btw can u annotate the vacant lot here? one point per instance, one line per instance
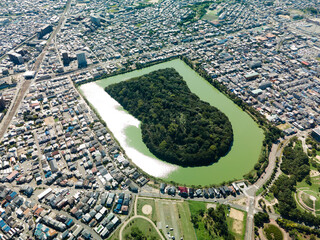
(236, 223)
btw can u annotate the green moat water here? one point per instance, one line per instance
(248, 137)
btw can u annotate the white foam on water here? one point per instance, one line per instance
(117, 121)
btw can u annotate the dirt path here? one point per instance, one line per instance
(174, 221)
(299, 200)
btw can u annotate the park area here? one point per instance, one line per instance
(175, 218)
(308, 196)
(171, 217)
(211, 15)
(140, 227)
(272, 232)
(236, 221)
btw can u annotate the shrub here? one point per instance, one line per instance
(273, 232)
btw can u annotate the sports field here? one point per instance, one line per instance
(171, 216)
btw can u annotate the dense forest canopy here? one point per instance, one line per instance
(176, 125)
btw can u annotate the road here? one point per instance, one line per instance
(85, 226)
(13, 108)
(26, 83)
(52, 36)
(250, 192)
(276, 151)
(19, 45)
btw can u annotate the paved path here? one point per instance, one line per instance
(135, 217)
(142, 217)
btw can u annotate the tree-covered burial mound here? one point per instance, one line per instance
(176, 125)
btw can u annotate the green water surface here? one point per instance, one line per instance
(248, 136)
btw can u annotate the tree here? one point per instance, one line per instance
(260, 218)
(2, 104)
(176, 125)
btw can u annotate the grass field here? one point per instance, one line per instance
(260, 190)
(174, 214)
(314, 187)
(184, 217)
(308, 190)
(142, 202)
(147, 229)
(177, 215)
(284, 126)
(236, 227)
(201, 231)
(211, 15)
(168, 215)
(306, 200)
(195, 206)
(306, 196)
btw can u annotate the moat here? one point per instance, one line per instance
(240, 159)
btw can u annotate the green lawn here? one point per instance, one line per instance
(306, 199)
(260, 190)
(141, 203)
(144, 226)
(195, 206)
(176, 215)
(269, 197)
(313, 190)
(201, 232)
(211, 15)
(185, 220)
(314, 187)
